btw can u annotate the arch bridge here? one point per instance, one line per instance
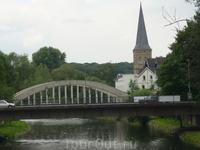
(69, 92)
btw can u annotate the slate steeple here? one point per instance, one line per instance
(142, 50)
(142, 40)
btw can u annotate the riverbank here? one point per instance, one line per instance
(189, 133)
(192, 137)
(12, 129)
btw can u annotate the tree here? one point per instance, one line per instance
(23, 70)
(105, 73)
(173, 72)
(124, 68)
(142, 92)
(49, 56)
(95, 79)
(132, 86)
(66, 72)
(6, 76)
(41, 75)
(195, 2)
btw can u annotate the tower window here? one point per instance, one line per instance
(143, 86)
(151, 77)
(139, 61)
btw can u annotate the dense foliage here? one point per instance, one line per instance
(182, 64)
(66, 72)
(106, 73)
(120, 68)
(49, 56)
(6, 77)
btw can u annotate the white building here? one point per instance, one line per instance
(145, 79)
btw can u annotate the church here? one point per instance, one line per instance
(144, 65)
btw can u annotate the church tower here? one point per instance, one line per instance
(142, 49)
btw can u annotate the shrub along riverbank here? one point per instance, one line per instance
(189, 133)
(12, 129)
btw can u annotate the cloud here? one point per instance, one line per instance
(6, 28)
(33, 41)
(91, 1)
(77, 20)
(98, 30)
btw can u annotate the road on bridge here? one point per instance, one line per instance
(98, 110)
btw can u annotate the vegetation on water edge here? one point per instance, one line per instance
(11, 129)
(168, 124)
(109, 119)
(192, 137)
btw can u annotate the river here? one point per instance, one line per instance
(94, 134)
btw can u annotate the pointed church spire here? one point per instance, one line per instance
(142, 40)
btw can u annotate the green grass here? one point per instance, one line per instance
(13, 128)
(107, 119)
(192, 138)
(169, 124)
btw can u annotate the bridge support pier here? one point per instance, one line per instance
(108, 97)
(96, 97)
(59, 95)
(53, 94)
(192, 119)
(40, 97)
(72, 96)
(89, 95)
(84, 94)
(33, 99)
(47, 101)
(28, 100)
(65, 94)
(195, 120)
(101, 97)
(77, 91)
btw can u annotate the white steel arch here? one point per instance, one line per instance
(98, 87)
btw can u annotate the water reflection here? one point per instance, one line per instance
(85, 134)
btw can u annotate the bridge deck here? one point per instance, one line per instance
(98, 110)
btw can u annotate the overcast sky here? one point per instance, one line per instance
(87, 30)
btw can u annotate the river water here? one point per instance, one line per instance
(93, 134)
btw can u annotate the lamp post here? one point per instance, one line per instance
(84, 94)
(85, 73)
(189, 93)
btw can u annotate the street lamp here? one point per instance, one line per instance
(85, 72)
(84, 93)
(189, 94)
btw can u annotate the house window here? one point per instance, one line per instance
(151, 77)
(143, 86)
(144, 78)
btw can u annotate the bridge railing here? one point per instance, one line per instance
(63, 101)
(75, 100)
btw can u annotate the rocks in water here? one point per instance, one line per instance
(2, 138)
